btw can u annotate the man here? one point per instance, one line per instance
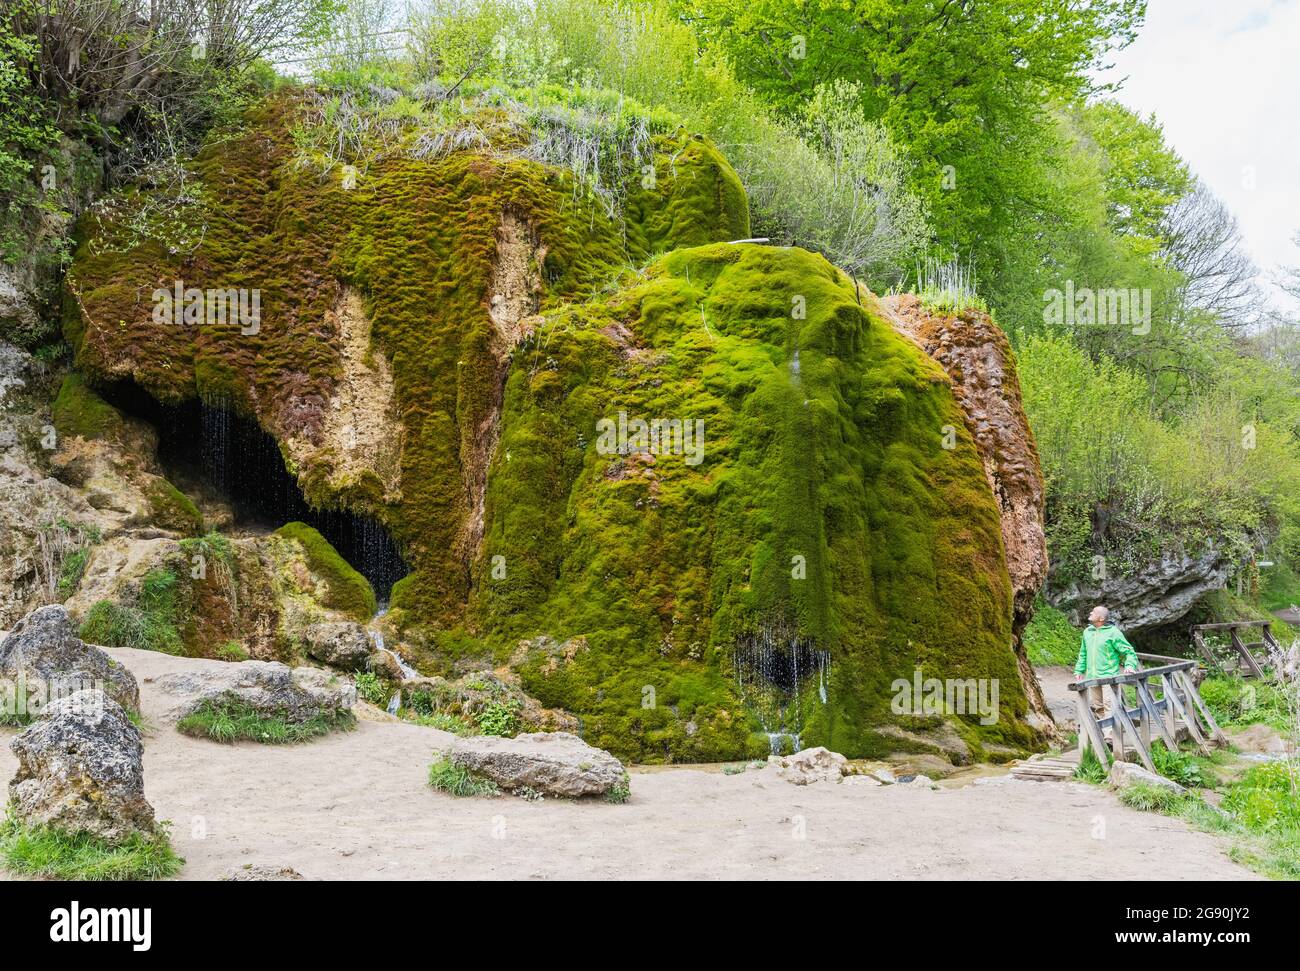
(1102, 650)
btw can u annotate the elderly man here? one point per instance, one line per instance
(1102, 651)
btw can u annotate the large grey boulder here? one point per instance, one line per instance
(809, 765)
(342, 644)
(552, 763)
(268, 687)
(1148, 595)
(80, 769)
(44, 657)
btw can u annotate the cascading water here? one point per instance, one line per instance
(771, 667)
(211, 442)
(377, 640)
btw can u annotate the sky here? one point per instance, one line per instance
(1223, 77)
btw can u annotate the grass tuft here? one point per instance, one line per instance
(41, 851)
(227, 722)
(457, 780)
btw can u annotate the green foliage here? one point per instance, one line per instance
(346, 589)
(1153, 798)
(39, 851)
(1267, 797)
(27, 133)
(232, 651)
(620, 792)
(232, 721)
(1090, 768)
(446, 723)
(499, 718)
(372, 688)
(150, 624)
(456, 780)
(1049, 637)
(1236, 702)
(1181, 767)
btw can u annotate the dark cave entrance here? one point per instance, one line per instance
(217, 450)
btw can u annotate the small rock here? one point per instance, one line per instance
(260, 872)
(861, 780)
(885, 776)
(44, 653)
(1124, 774)
(554, 763)
(916, 781)
(341, 644)
(81, 769)
(810, 765)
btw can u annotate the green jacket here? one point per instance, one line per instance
(1101, 652)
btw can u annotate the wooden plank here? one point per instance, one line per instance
(1229, 625)
(1121, 714)
(1188, 718)
(1152, 717)
(1204, 648)
(1089, 733)
(1251, 664)
(1215, 732)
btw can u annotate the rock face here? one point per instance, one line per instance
(44, 651)
(340, 644)
(976, 355)
(554, 763)
(269, 687)
(1151, 595)
(793, 513)
(809, 766)
(80, 769)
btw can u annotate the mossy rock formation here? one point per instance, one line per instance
(444, 345)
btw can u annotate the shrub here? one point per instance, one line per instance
(232, 651)
(1151, 798)
(1177, 765)
(372, 688)
(230, 721)
(499, 718)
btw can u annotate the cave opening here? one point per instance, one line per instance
(214, 450)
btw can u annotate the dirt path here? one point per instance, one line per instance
(355, 806)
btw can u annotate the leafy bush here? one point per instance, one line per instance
(230, 721)
(1267, 797)
(499, 718)
(38, 851)
(448, 777)
(1235, 701)
(1177, 765)
(372, 688)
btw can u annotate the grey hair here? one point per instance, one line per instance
(1105, 611)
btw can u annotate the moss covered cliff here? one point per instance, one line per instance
(459, 338)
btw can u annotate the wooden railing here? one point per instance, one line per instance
(1168, 705)
(1251, 666)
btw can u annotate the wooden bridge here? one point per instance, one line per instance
(1168, 707)
(1250, 666)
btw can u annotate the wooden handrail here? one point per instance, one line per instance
(1135, 677)
(1233, 623)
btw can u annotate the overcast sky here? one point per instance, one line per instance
(1223, 76)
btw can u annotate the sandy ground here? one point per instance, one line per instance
(355, 806)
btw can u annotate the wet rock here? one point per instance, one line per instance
(268, 687)
(809, 766)
(555, 763)
(342, 644)
(80, 769)
(44, 656)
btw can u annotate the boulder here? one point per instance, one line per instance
(44, 653)
(809, 766)
(268, 687)
(1124, 774)
(1149, 595)
(554, 763)
(81, 769)
(342, 644)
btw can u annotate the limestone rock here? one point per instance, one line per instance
(1124, 774)
(341, 644)
(809, 766)
(269, 687)
(554, 763)
(80, 769)
(260, 872)
(43, 650)
(1149, 595)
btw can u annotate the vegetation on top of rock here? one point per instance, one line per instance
(229, 721)
(43, 851)
(347, 590)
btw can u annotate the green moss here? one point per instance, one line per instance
(78, 410)
(346, 589)
(170, 508)
(1050, 638)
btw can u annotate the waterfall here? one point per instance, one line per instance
(377, 641)
(771, 666)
